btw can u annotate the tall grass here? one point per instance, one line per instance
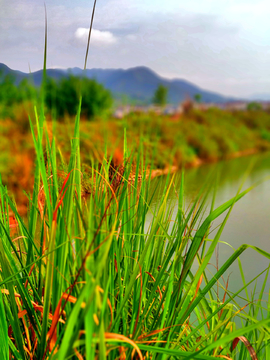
(93, 278)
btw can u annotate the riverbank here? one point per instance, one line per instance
(198, 162)
(191, 140)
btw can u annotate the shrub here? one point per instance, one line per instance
(64, 97)
(254, 106)
(265, 134)
(161, 95)
(8, 90)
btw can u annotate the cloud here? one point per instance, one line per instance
(131, 37)
(98, 37)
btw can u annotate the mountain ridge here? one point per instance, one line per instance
(137, 83)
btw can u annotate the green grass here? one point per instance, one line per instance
(81, 279)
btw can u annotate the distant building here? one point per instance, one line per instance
(174, 111)
(236, 105)
(121, 112)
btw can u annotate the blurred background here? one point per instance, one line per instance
(189, 81)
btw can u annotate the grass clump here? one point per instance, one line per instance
(95, 278)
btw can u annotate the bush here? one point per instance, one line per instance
(161, 95)
(8, 90)
(265, 134)
(254, 106)
(64, 97)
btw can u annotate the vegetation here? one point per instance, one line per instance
(63, 97)
(11, 95)
(8, 90)
(198, 98)
(161, 95)
(143, 299)
(189, 139)
(254, 106)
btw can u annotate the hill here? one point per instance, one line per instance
(138, 83)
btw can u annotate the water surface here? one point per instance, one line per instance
(249, 222)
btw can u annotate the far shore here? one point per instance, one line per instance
(200, 162)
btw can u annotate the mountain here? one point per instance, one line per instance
(34, 77)
(18, 75)
(138, 83)
(141, 82)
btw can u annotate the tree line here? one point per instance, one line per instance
(62, 97)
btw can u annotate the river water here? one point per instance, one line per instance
(249, 221)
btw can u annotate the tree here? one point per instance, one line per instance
(64, 96)
(10, 93)
(161, 95)
(8, 90)
(95, 98)
(26, 91)
(198, 98)
(254, 106)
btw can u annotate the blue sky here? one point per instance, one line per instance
(219, 45)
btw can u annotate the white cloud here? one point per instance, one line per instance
(98, 38)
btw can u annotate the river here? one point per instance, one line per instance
(249, 221)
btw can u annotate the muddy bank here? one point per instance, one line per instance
(199, 162)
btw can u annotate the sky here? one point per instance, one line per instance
(223, 45)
